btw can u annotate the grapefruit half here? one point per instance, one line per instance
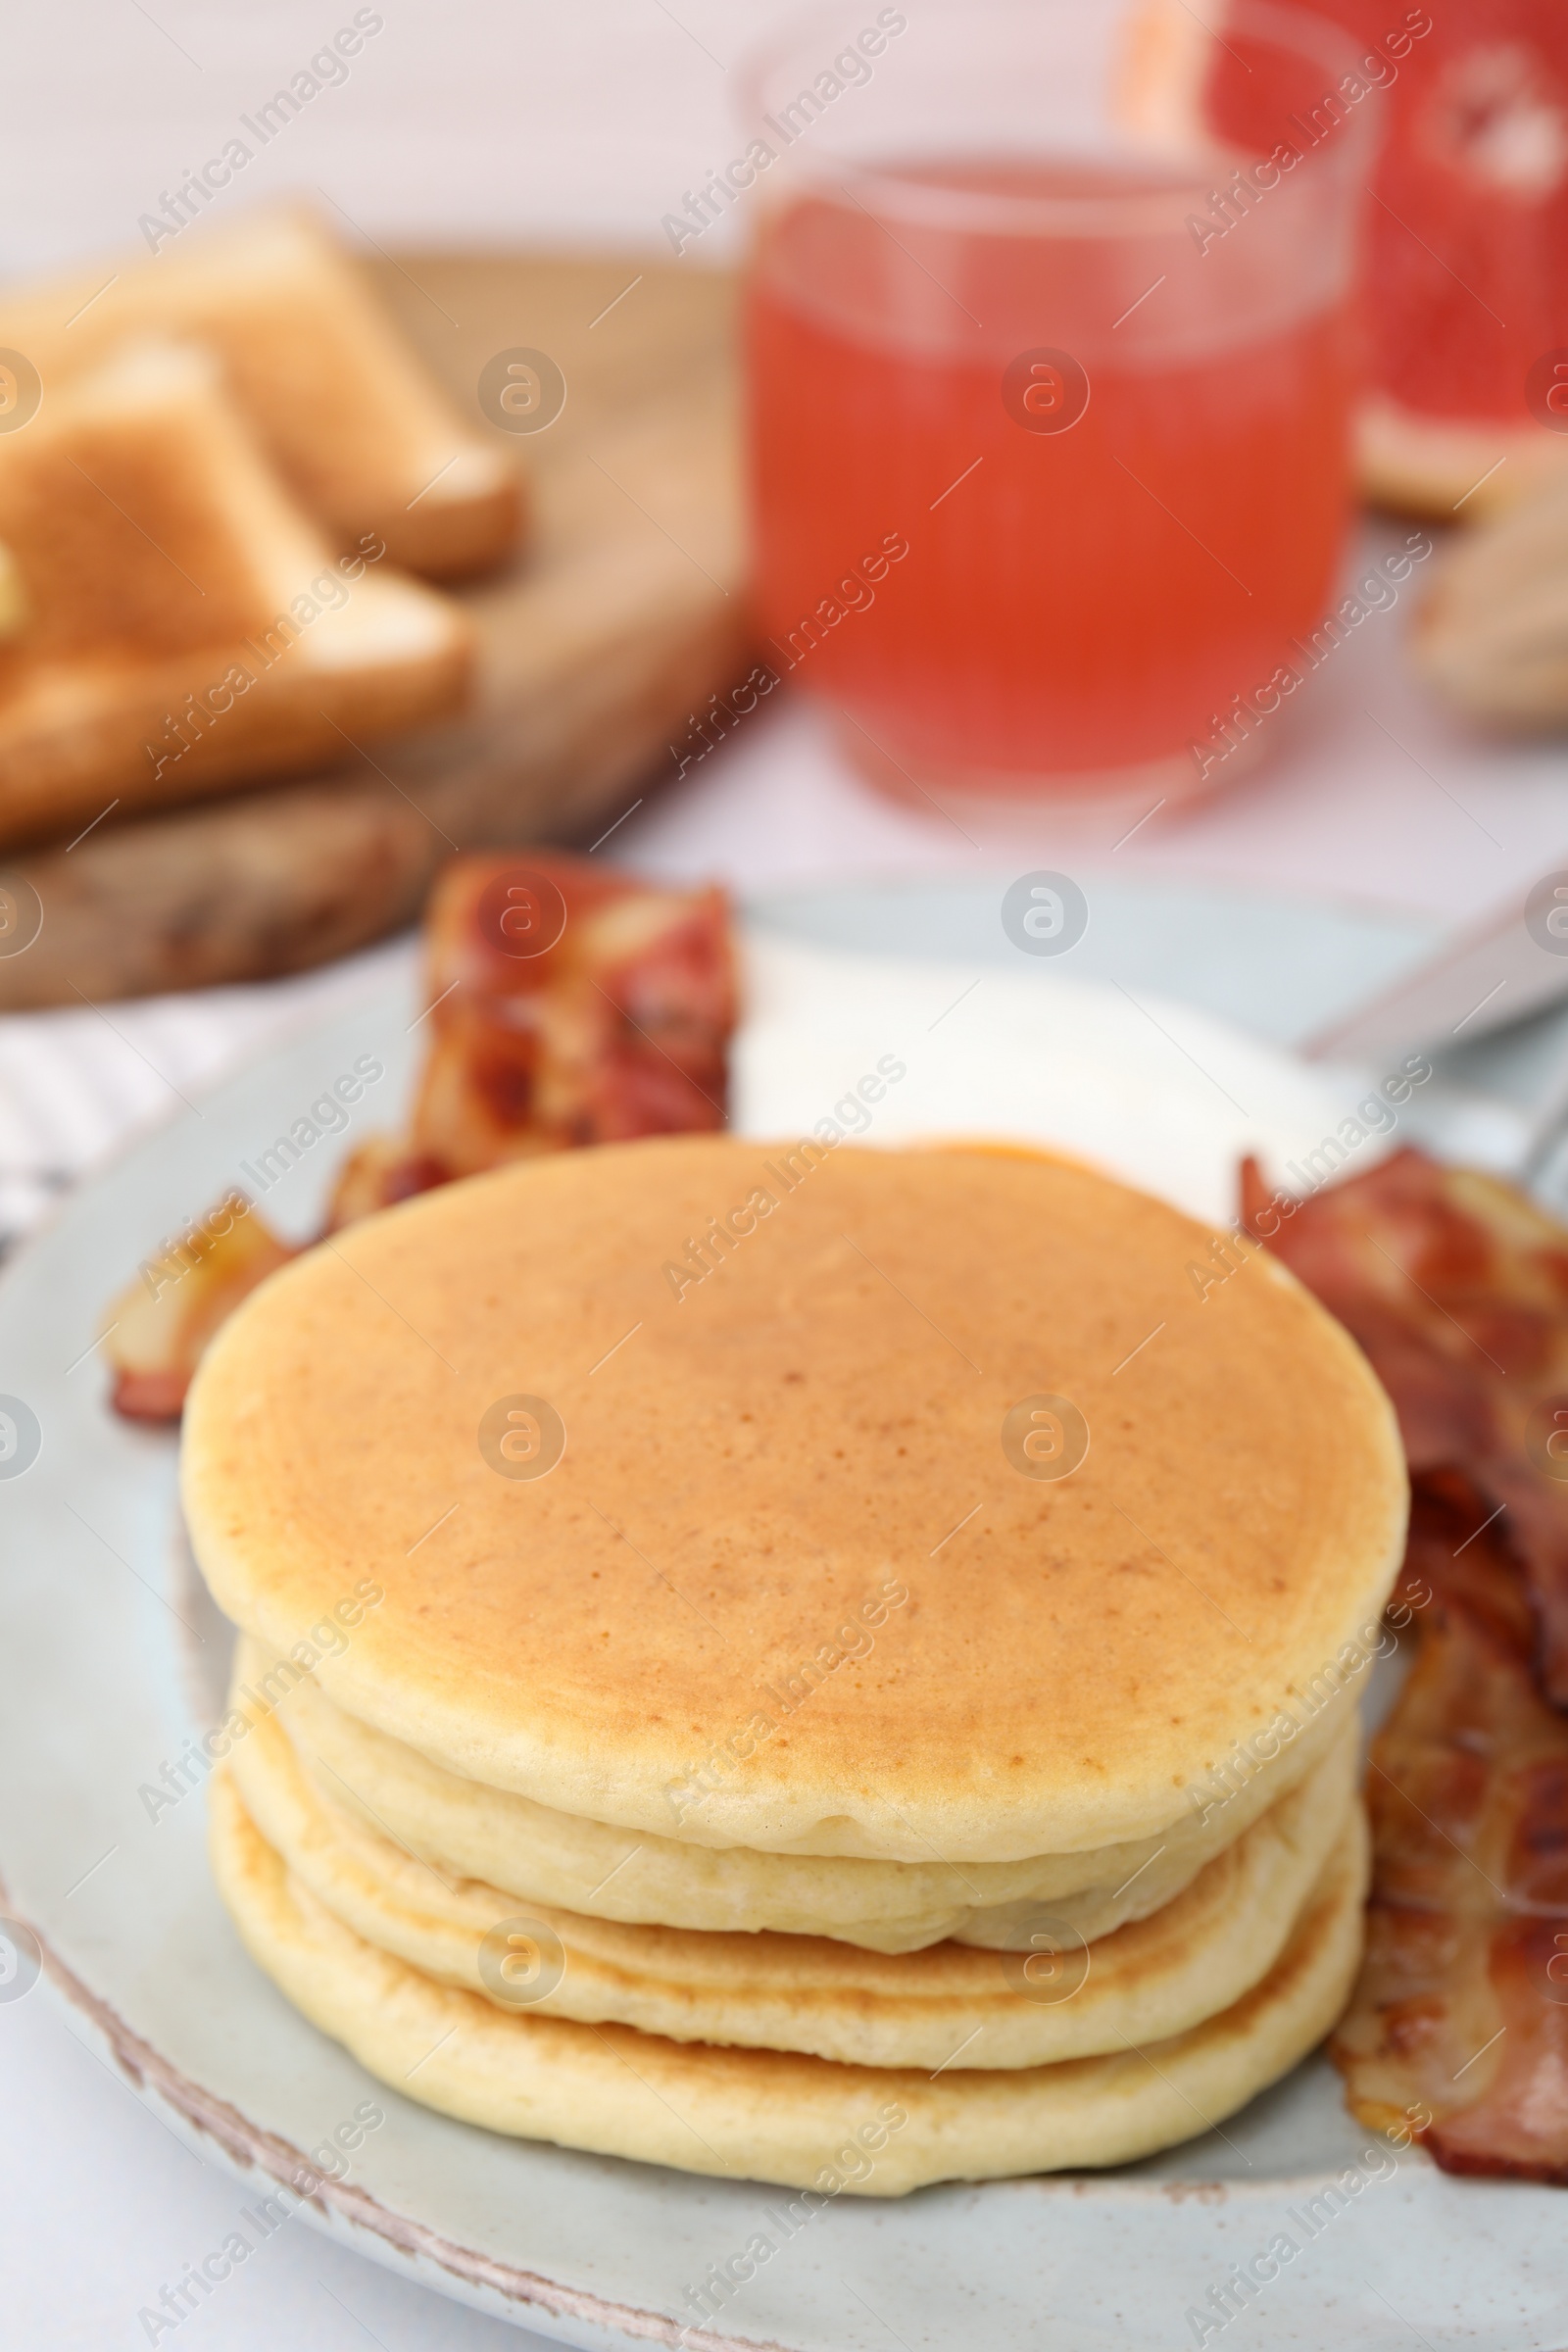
(1466, 227)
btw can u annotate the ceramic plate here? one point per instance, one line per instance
(112, 1661)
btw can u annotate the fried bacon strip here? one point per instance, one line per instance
(1457, 1286)
(156, 1329)
(1458, 2027)
(570, 1004)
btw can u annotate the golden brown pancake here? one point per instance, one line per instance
(1064, 1998)
(767, 2114)
(592, 1867)
(787, 1587)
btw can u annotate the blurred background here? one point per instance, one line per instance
(490, 126)
(487, 124)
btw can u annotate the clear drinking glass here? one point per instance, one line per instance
(1051, 362)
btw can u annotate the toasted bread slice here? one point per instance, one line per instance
(358, 429)
(187, 624)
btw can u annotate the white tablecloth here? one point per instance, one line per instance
(500, 120)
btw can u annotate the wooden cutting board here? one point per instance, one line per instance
(625, 612)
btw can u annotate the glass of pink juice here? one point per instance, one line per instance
(1051, 357)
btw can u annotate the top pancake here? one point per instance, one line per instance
(692, 1624)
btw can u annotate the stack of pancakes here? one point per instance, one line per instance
(753, 1655)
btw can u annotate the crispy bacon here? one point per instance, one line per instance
(568, 1004)
(155, 1331)
(572, 1005)
(1457, 1286)
(1458, 2032)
